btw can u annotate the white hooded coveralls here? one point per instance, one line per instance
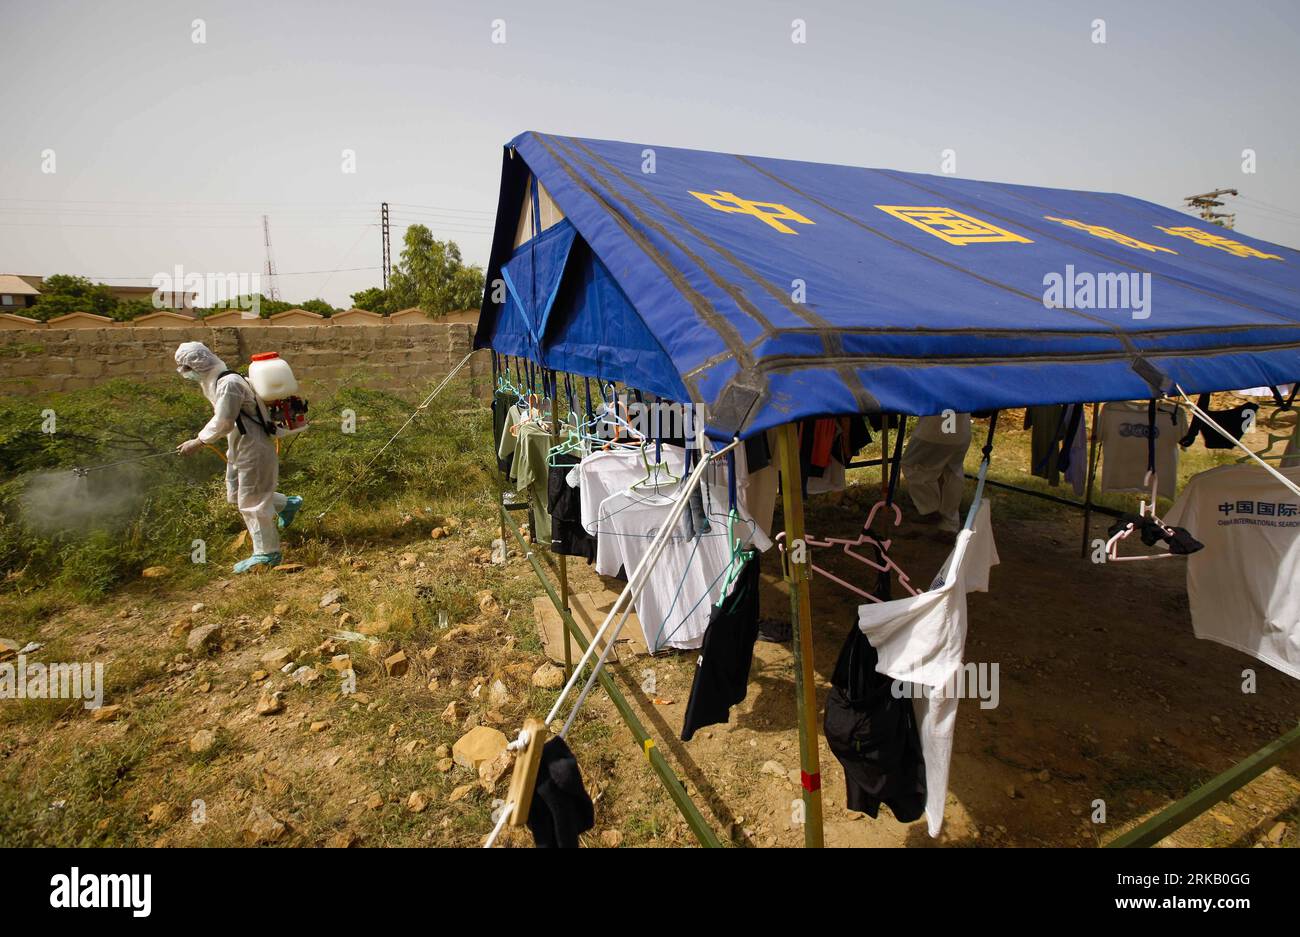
(252, 464)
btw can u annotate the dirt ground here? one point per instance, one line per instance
(1104, 694)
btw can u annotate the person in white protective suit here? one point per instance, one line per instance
(933, 468)
(252, 464)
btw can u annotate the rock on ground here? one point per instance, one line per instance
(261, 828)
(479, 745)
(203, 638)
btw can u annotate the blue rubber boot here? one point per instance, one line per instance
(258, 559)
(292, 505)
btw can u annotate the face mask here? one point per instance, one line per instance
(190, 375)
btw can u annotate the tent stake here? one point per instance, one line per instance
(801, 630)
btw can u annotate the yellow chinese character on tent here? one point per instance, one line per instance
(770, 213)
(953, 226)
(1110, 234)
(1218, 241)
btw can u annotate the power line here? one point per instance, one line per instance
(446, 208)
(295, 273)
(320, 289)
(1270, 210)
(254, 207)
(181, 225)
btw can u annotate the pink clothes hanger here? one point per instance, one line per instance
(885, 565)
(871, 519)
(1145, 509)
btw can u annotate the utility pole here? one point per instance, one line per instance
(272, 291)
(1206, 202)
(388, 255)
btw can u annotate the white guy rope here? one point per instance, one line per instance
(414, 413)
(501, 824)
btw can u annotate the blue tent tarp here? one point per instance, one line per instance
(771, 290)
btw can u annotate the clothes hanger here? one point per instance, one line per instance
(611, 417)
(886, 564)
(738, 555)
(1152, 529)
(655, 471)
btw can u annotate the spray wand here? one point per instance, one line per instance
(83, 471)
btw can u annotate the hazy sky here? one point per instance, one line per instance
(168, 151)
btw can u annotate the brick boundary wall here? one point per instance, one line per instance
(409, 357)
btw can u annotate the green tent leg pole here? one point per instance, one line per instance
(1207, 795)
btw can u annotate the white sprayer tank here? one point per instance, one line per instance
(271, 377)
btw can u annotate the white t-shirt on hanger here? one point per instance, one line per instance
(1123, 434)
(921, 640)
(685, 582)
(607, 471)
(1242, 587)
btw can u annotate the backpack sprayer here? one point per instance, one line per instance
(273, 382)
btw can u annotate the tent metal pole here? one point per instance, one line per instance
(797, 576)
(1044, 496)
(1092, 477)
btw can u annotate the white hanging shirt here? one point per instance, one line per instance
(921, 639)
(608, 471)
(1242, 586)
(1124, 430)
(685, 582)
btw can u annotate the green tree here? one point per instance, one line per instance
(432, 275)
(128, 309)
(62, 294)
(374, 299)
(318, 306)
(266, 307)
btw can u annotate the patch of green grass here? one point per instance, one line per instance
(52, 554)
(62, 801)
